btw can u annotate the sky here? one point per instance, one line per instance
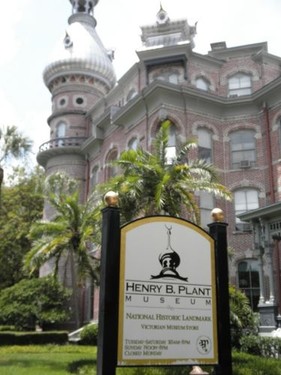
(30, 30)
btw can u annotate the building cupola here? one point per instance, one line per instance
(167, 33)
(79, 74)
(83, 6)
(81, 52)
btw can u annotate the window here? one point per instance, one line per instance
(173, 78)
(204, 145)
(62, 102)
(111, 170)
(249, 282)
(239, 84)
(202, 84)
(132, 93)
(79, 101)
(206, 206)
(171, 150)
(243, 149)
(60, 133)
(244, 200)
(168, 76)
(133, 144)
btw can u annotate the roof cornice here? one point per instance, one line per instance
(268, 212)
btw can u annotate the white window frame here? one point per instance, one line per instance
(245, 199)
(202, 84)
(205, 146)
(239, 84)
(243, 149)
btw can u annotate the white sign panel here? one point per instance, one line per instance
(167, 295)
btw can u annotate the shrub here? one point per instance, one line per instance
(89, 334)
(261, 346)
(7, 328)
(42, 300)
(33, 338)
(243, 320)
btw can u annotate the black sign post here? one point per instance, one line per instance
(218, 232)
(109, 286)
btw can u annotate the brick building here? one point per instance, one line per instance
(229, 99)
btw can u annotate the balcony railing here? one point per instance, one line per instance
(62, 142)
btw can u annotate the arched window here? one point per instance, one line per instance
(243, 149)
(133, 144)
(111, 170)
(204, 145)
(202, 84)
(249, 282)
(60, 133)
(132, 93)
(239, 84)
(244, 200)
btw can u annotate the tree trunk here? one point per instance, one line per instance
(74, 290)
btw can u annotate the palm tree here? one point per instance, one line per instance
(12, 144)
(150, 183)
(66, 239)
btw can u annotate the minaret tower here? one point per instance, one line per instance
(80, 73)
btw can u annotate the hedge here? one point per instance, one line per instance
(33, 338)
(261, 345)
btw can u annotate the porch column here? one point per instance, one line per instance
(268, 254)
(268, 309)
(259, 251)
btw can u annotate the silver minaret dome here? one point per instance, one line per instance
(81, 50)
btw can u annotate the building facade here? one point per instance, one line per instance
(228, 99)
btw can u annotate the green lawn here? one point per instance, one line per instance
(45, 360)
(81, 360)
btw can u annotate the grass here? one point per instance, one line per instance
(45, 360)
(81, 360)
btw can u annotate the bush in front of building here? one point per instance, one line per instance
(269, 347)
(242, 319)
(41, 301)
(7, 328)
(89, 334)
(33, 338)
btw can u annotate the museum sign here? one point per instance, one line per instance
(167, 294)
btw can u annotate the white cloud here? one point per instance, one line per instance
(31, 123)
(12, 13)
(9, 114)
(30, 29)
(35, 125)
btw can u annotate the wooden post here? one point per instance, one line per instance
(109, 287)
(218, 231)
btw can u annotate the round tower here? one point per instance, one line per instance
(79, 74)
